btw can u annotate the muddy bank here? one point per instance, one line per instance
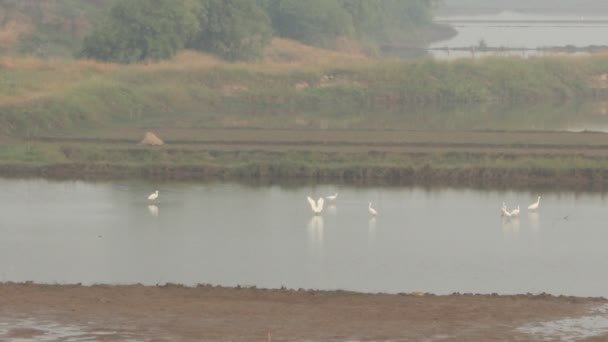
(206, 313)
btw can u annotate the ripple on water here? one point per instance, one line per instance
(21, 330)
(571, 329)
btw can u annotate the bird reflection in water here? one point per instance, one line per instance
(315, 229)
(371, 229)
(534, 218)
(315, 235)
(510, 228)
(153, 209)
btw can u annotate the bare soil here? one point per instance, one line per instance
(206, 313)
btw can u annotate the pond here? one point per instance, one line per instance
(431, 240)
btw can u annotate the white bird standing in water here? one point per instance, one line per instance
(514, 212)
(317, 207)
(505, 212)
(332, 197)
(372, 211)
(153, 196)
(534, 205)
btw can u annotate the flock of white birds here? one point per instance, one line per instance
(317, 206)
(504, 211)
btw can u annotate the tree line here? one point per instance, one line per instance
(139, 30)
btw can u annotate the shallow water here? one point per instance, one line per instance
(439, 241)
(30, 329)
(570, 329)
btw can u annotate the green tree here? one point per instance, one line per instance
(367, 16)
(320, 22)
(407, 13)
(137, 30)
(232, 29)
(316, 22)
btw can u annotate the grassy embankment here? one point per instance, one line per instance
(112, 105)
(571, 160)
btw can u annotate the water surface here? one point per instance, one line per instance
(439, 241)
(515, 30)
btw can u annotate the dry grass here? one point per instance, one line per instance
(289, 51)
(60, 65)
(14, 30)
(33, 78)
(184, 60)
(280, 51)
(36, 78)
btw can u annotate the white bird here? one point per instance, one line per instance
(372, 211)
(534, 205)
(332, 197)
(153, 196)
(317, 207)
(514, 212)
(505, 212)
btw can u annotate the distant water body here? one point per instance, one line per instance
(519, 34)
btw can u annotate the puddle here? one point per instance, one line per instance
(22, 330)
(571, 329)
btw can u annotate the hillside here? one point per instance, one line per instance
(45, 28)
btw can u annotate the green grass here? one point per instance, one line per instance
(41, 97)
(183, 97)
(122, 160)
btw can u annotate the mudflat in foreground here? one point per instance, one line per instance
(205, 313)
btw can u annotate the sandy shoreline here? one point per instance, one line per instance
(207, 313)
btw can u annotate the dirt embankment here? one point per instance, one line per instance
(175, 313)
(575, 161)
